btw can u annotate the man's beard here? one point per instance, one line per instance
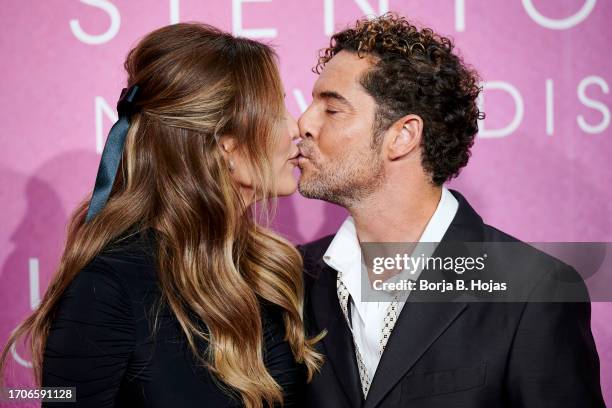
(346, 182)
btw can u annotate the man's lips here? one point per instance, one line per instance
(295, 158)
(302, 157)
(302, 160)
(302, 153)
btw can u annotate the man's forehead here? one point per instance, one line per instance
(343, 71)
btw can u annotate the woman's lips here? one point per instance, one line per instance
(302, 158)
(295, 158)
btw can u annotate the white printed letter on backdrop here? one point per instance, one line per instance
(605, 112)
(561, 24)
(364, 5)
(300, 100)
(460, 15)
(174, 11)
(34, 269)
(519, 109)
(113, 29)
(249, 32)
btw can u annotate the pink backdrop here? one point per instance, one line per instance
(539, 170)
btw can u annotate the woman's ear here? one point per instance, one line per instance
(406, 136)
(237, 163)
(227, 144)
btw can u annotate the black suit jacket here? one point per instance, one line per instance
(458, 354)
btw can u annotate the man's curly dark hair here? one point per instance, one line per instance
(416, 72)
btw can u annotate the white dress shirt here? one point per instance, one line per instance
(344, 255)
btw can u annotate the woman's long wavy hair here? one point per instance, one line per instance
(215, 262)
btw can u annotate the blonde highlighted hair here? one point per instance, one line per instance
(215, 262)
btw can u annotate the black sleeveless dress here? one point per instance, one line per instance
(100, 341)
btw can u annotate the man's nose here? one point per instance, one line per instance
(304, 125)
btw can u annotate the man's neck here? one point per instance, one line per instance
(396, 214)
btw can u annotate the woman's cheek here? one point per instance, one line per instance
(287, 182)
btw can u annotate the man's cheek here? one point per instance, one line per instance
(327, 146)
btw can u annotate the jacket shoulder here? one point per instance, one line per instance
(492, 234)
(316, 249)
(312, 252)
(544, 276)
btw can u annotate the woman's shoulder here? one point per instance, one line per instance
(95, 287)
(130, 258)
(92, 333)
(114, 273)
(135, 247)
(93, 314)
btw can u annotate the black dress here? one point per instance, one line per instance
(100, 341)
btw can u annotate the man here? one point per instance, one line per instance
(393, 117)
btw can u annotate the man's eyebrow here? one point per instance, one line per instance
(336, 96)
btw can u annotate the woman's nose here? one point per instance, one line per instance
(294, 130)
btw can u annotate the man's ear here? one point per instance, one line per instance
(406, 136)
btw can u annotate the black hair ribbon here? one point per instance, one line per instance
(113, 150)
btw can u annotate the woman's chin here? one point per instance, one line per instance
(287, 188)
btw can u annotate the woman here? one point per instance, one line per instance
(168, 293)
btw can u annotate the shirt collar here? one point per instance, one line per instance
(344, 252)
(441, 218)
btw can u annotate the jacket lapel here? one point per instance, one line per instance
(418, 326)
(338, 342)
(421, 323)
